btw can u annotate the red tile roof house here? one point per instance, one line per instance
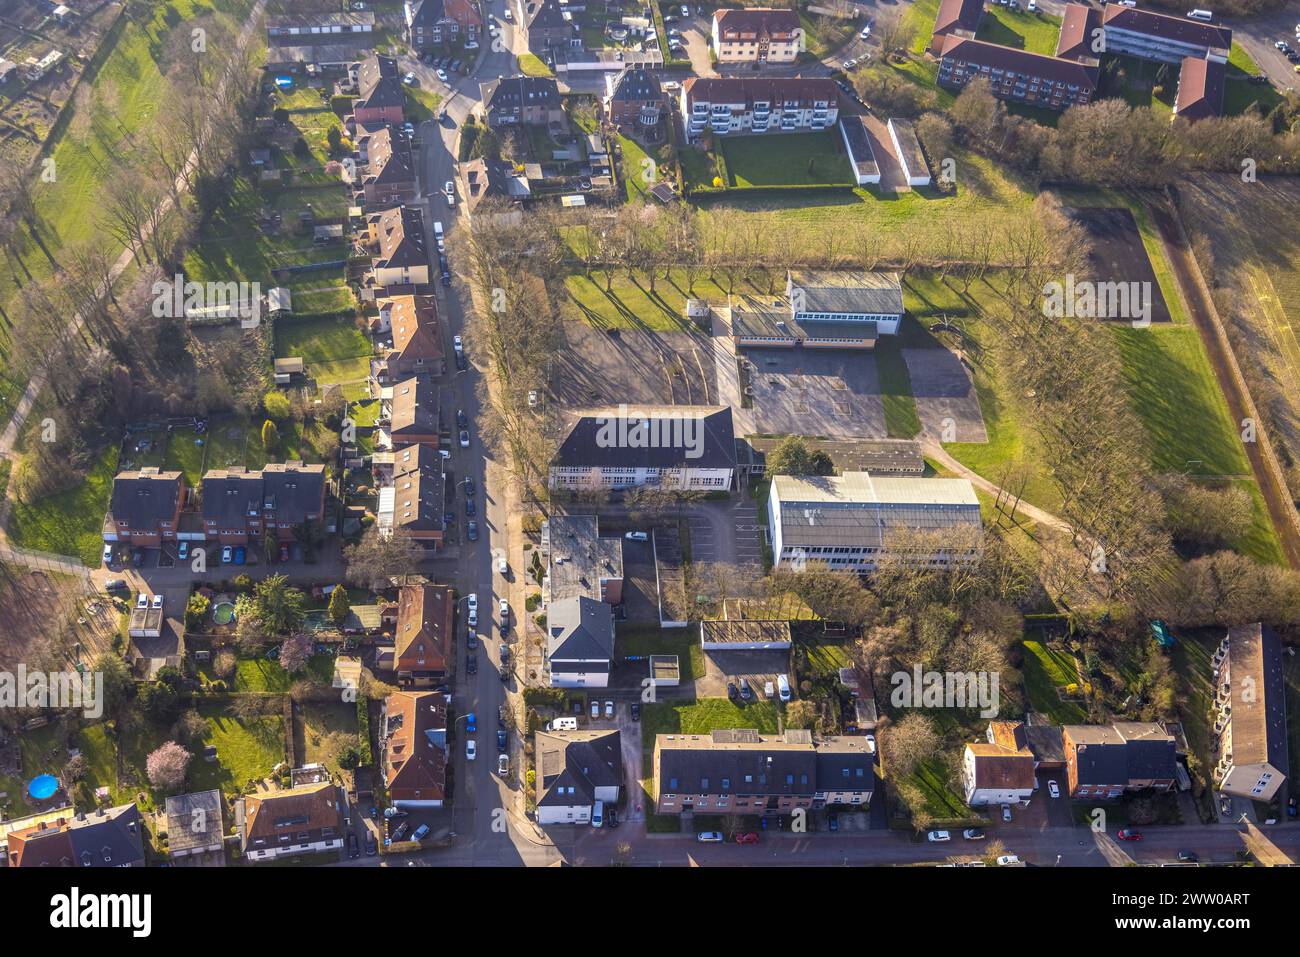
(423, 622)
(107, 837)
(961, 17)
(415, 749)
(239, 505)
(1200, 89)
(1080, 33)
(757, 35)
(145, 507)
(999, 770)
(389, 179)
(381, 99)
(436, 23)
(634, 101)
(301, 820)
(1033, 78)
(417, 342)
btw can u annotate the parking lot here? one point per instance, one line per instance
(592, 367)
(946, 401)
(833, 393)
(758, 667)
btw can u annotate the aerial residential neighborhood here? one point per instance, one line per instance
(527, 433)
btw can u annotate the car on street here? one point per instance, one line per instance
(142, 600)
(1128, 834)
(938, 837)
(470, 511)
(747, 837)
(709, 837)
(449, 188)
(609, 708)
(471, 663)
(503, 764)
(471, 531)
(1053, 790)
(471, 722)
(471, 750)
(157, 602)
(421, 833)
(227, 554)
(503, 567)
(1006, 860)
(973, 834)
(1006, 812)
(471, 640)
(508, 16)
(442, 75)
(461, 362)
(371, 847)
(457, 343)
(464, 439)
(1189, 857)
(183, 551)
(635, 710)
(410, 79)
(354, 851)
(239, 554)
(502, 741)
(595, 709)
(462, 422)
(471, 603)
(501, 717)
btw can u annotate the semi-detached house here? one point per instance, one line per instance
(241, 506)
(145, 507)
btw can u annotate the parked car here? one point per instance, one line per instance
(401, 830)
(462, 422)
(636, 536)
(745, 692)
(973, 834)
(354, 851)
(502, 741)
(1006, 860)
(1189, 857)
(635, 710)
(504, 608)
(142, 600)
(1006, 812)
(371, 847)
(115, 584)
(938, 837)
(833, 821)
(183, 551)
(471, 750)
(471, 531)
(769, 690)
(508, 16)
(501, 717)
(503, 764)
(503, 567)
(709, 837)
(227, 555)
(108, 554)
(240, 552)
(866, 32)
(1053, 790)
(595, 709)
(731, 690)
(471, 663)
(471, 722)
(421, 833)
(748, 837)
(470, 510)
(157, 603)
(609, 709)
(442, 75)
(871, 743)
(464, 439)
(1128, 834)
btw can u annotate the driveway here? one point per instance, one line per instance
(833, 393)
(758, 667)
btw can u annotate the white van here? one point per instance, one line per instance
(438, 236)
(598, 814)
(1206, 15)
(562, 724)
(783, 686)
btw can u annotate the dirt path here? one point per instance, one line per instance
(1263, 460)
(936, 451)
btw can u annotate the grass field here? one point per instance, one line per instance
(1020, 29)
(320, 340)
(630, 305)
(901, 419)
(246, 750)
(72, 522)
(703, 716)
(1044, 671)
(641, 641)
(800, 159)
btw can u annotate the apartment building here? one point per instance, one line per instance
(1163, 37)
(1200, 89)
(1250, 714)
(145, 507)
(851, 521)
(670, 447)
(380, 98)
(1000, 769)
(396, 240)
(1033, 78)
(579, 642)
(757, 105)
(416, 347)
(634, 100)
(575, 769)
(521, 100)
(300, 820)
(240, 505)
(389, 178)
(414, 737)
(955, 17)
(743, 772)
(105, 837)
(1104, 761)
(579, 563)
(431, 23)
(413, 503)
(757, 35)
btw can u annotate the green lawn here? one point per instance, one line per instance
(531, 65)
(72, 522)
(320, 340)
(941, 801)
(246, 750)
(321, 721)
(795, 159)
(254, 675)
(826, 658)
(1035, 32)
(185, 455)
(1259, 539)
(1173, 391)
(901, 419)
(630, 305)
(641, 170)
(42, 753)
(703, 716)
(682, 642)
(1044, 671)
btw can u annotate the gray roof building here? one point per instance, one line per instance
(194, 823)
(650, 437)
(579, 629)
(836, 291)
(1251, 721)
(581, 563)
(572, 766)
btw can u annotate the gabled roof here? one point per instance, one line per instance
(848, 291)
(379, 83)
(571, 765)
(387, 163)
(1258, 697)
(143, 499)
(1077, 32)
(755, 22)
(743, 762)
(997, 57)
(231, 496)
(108, 837)
(544, 13)
(1121, 752)
(419, 489)
(784, 92)
(1200, 88)
(308, 809)
(1167, 27)
(1005, 762)
(579, 629)
(194, 820)
(649, 437)
(959, 15)
(512, 93)
(415, 753)
(414, 323)
(425, 617)
(293, 490)
(400, 232)
(635, 85)
(415, 408)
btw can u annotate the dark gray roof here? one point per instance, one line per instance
(419, 489)
(635, 85)
(379, 83)
(1122, 752)
(791, 764)
(753, 317)
(512, 93)
(1258, 719)
(1167, 26)
(109, 837)
(582, 760)
(194, 820)
(579, 628)
(401, 237)
(292, 490)
(427, 13)
(587, 445)
(415, 407)
(544, 13)
(847, 291)
(230, 495)
(1045, 742)
(864, 157)
(143, 499)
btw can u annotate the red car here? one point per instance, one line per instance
(1128, 834)
(747, 838)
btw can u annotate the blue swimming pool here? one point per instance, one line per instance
(43, 786)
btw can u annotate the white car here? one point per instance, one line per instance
(866, 32)
(510, 17)
(503, 567)
(108, 554)
(1033, 6)
(595, 708)
(871, 743)
(1007, 860)
(672, 85)
(850, 64)
(464, 439)
(442, 75)
(609, 709)
(471, 602)
(157, 603)
(409, 79)
(457, 344)
(708, 837)
(1053, 790)
(226, 554)
(505, 609)
(636, 536)
(142, 600)
(471, 750)
(938, 837)
(503, 764)
(1006, 812)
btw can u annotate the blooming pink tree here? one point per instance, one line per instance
(296, 652)
(166, 766)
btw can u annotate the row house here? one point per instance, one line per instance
(287, 823)
(757, 105)
(389, 179)
(416, 340)
(319, 28)
(1104, 761)
(414, 737)
(1250, 730)
(422, 623)
(757, 35)
(145, 508)
(380, 96)
(239, 505)
(743, 772)
(521, 100)
(434, 23)
(409, 414)
(412, 502)
(1033, 78)
(396, 241)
